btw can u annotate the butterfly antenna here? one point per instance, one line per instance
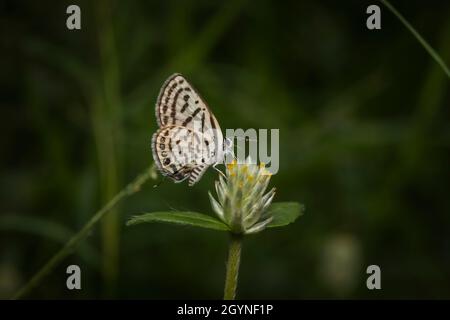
(220, 172)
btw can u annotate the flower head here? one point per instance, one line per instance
(242, 202)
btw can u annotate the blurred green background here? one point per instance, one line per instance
(364, 144)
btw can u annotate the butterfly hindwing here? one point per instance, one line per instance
(182, 153)
(164, 156)
(197, 173)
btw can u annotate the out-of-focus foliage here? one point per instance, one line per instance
(364, 144)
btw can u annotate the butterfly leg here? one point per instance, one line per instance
(160, 182)
(214, 167)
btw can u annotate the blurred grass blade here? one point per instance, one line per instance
(202, 45)
(284, 213)
(35, 226)
(186, 218)
(70, 245)
(67, 62)
(419, 38)
(107, 122)
(46, 229)
(191, 57)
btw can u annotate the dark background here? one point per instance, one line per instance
(364, 144)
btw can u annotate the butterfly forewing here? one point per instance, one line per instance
(180, 104)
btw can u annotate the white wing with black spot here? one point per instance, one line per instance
(182, 153)
(179, 104)
(189, 139)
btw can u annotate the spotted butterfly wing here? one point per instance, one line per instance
(189, 139)
(179, 104)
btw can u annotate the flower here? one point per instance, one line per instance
(242, 202)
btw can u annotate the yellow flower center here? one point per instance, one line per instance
(231, 165)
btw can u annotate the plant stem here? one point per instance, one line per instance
(234, 259)
(68, 248)
(419, 38)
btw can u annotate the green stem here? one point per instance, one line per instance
(68, 248)
(419, 38)
(234, 259)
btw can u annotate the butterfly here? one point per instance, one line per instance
(189, 138)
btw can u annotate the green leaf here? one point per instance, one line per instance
(284, 213)
(181, 218)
